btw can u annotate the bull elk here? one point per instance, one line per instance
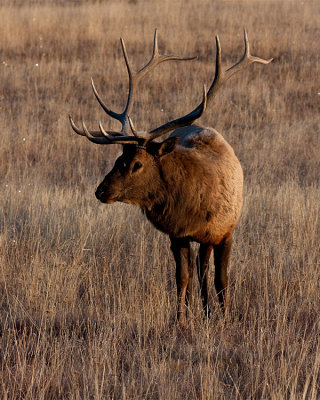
(188, 185)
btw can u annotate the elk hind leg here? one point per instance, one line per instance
(202, 269)
(190, 260)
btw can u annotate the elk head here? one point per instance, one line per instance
(135, 175)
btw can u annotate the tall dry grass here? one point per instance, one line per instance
(88, 291)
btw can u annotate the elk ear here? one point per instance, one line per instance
(167, 146)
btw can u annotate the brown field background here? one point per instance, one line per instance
(88, 296)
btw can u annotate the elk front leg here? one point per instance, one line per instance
(221, 260)
(202, 268)
(183, 256)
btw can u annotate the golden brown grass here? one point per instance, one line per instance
(88, 291)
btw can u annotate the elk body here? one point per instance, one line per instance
(188, 185)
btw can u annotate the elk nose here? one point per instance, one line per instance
(99, 193)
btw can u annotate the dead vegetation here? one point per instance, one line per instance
(79, 317)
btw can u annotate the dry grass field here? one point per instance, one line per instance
(88, 296)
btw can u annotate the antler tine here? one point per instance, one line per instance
(204, 99)
(104, 133)
(155, 51)
(245, 60)
(111, 113)
(246, 43)
(92, 133)
(98, 140)
(133, 129)
(157, 58)
(125, 55)
(220, 78)
(75, 128)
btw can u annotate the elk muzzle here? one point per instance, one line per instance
(104, 195)
(100, 194)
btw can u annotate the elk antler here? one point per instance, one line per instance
(220, 77)
(134, 79)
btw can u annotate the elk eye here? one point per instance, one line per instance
(137, 165)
